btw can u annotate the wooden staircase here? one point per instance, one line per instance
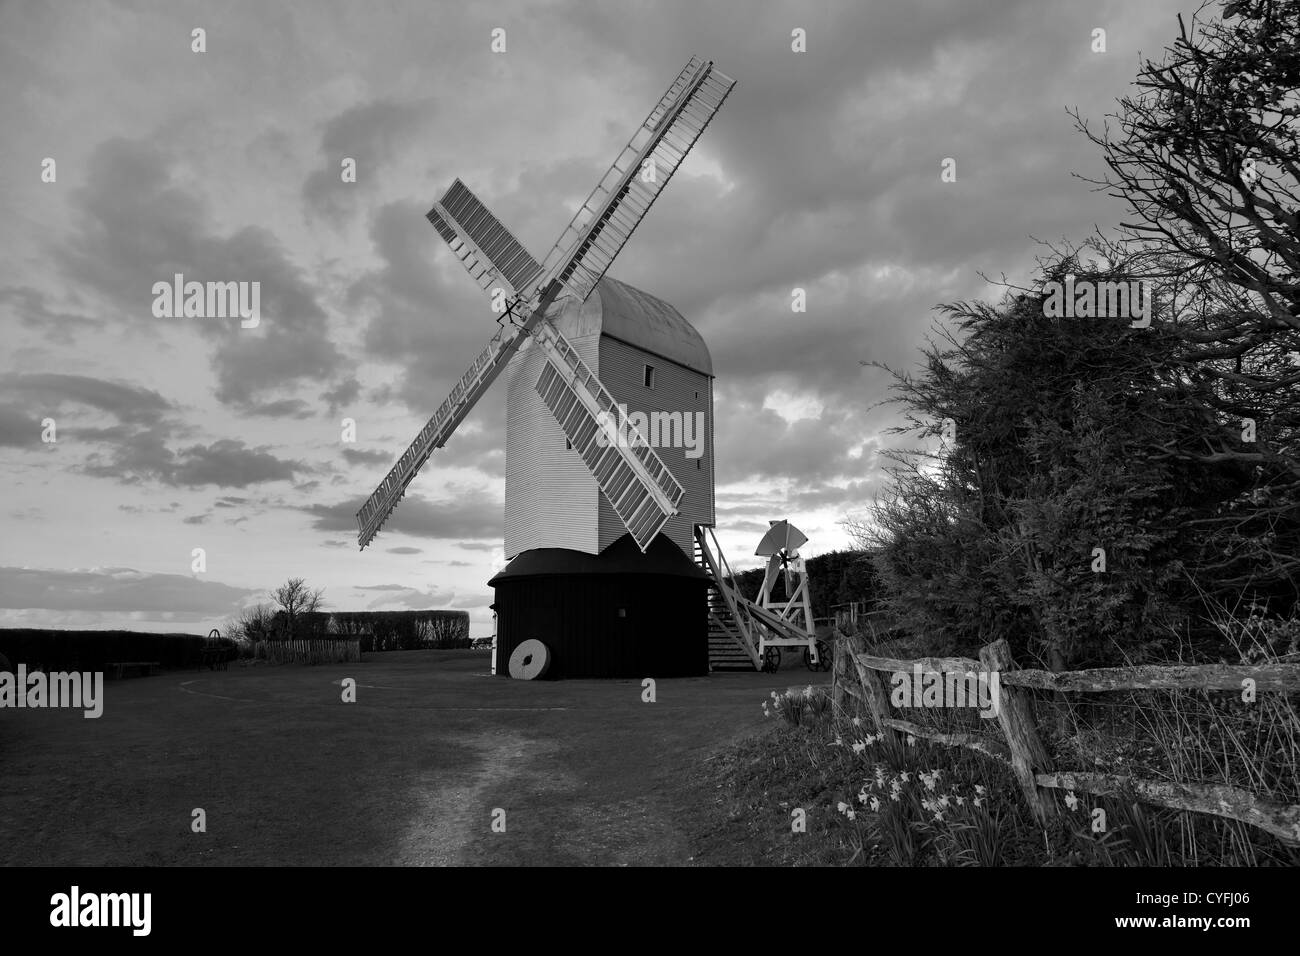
(727, 645)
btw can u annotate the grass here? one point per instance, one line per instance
(287, 774)
(888, 800)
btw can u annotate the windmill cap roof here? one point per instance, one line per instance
(621, 557)
(626, 313)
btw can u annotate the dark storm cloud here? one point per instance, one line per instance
(50, 393)
(359, 456)
(231, 464)
(33, 309)
(474, 515)
(140, 447)
(346, 392)
(227, 463)
(808, 449)
(855, 493)
(115, 589)
(18, 427)
(371, 134)
(137, 227)
(280, 408)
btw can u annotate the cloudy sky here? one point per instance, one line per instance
(822, 171)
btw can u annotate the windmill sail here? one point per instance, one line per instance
(620, 200)
(639, 486)
(476, 380)
(488, 250)
(630, 474)
(781, 536)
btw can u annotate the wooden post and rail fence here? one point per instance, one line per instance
(860, 676)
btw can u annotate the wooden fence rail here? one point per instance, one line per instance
(859, 675)
(310, 651)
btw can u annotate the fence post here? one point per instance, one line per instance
(1016, 718)
(838, 657)
(872, 686)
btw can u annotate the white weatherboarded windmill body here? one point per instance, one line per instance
(609, 423)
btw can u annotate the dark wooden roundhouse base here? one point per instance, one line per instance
(619, 614)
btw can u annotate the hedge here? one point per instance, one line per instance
(57, 650)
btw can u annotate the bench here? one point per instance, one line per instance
(146, 668)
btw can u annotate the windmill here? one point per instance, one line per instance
(627, 478)
(780, 545)
(642, 491)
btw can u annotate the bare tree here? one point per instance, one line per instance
(1207, 156)
(297, 600)
(253, 624)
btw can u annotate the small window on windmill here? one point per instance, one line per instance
(649, 376)
(568, 444)
(622, 612)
